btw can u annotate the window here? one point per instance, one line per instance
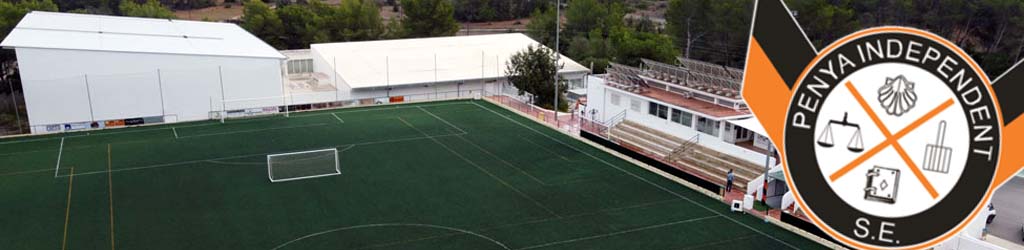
(741, 133)
(708, 126)
(634, 105)
(300, 66)
(682, 117)
(658, 110)
(576, 84)
(615, 99)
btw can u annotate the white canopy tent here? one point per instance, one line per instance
(81, 71)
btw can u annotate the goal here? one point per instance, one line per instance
(303, 165)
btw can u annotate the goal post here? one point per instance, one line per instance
(303, 165)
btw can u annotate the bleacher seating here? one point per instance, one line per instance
(625, 78)
(708, 163)
(697, 75)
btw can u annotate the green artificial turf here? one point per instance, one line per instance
(442, 175)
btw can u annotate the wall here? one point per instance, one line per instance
(59, 85)
(599, 98)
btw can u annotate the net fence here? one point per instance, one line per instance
(303, 165)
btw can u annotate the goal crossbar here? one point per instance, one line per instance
(303, 165)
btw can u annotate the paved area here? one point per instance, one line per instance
(1009, 202)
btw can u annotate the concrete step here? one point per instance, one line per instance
(620, 135)
(722, 171)
(668, 143)
(655, 132)
(739, 169)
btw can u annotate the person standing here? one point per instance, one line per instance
(728, 181)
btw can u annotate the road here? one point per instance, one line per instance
(1009, 202)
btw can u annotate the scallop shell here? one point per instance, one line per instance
(897, 95)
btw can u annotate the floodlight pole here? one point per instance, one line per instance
(223, 107)
(88, 94)
(558, 20)
(14, 100)
(435, 75)
(387, 76)
(160, 85)
(764, 188)
(337, 90)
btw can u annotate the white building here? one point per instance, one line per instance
(408, 69)
(690, 116)
(80, 71)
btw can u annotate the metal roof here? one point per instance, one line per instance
(50, 30)
(373, 64)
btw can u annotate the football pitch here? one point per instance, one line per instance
(441, 175)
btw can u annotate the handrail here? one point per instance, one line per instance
(616, 119)
(683, 148)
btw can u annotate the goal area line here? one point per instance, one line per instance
(302, 178)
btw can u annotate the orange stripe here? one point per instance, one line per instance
(856, 162)
(110, 187)
(890, 140)
(925, 118)
(917, 172)
(867, 108)
(67, 211)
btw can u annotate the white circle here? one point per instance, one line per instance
(910, 195)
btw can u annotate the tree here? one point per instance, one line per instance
(542, 26)
(836, 18)
(429, 18)
(630, 46)
(10, 15)
(301, 26)
(492, 10)
(357, 20)
(263, 22)
(583, 16)
(152, 8)
(532, 71)
(711, 30)
(594, 49)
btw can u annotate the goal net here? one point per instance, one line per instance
(302, 165)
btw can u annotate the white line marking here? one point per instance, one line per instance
(534, 178)
(638, 177)
(336, 117)
(502, 245)
(29, 140)
(708, 244)
(541, 220)
(26, 172)
(256, 130)
(214, 160)
(442, 119)
(619, 232)
(301, 178)
(59, 153)
(175, 132)
(478, 167)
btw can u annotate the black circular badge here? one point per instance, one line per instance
(892, 138)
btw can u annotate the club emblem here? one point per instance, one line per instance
(922, 128)
(897, 95)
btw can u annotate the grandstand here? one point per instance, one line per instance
(690, 116)
(463, 174)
